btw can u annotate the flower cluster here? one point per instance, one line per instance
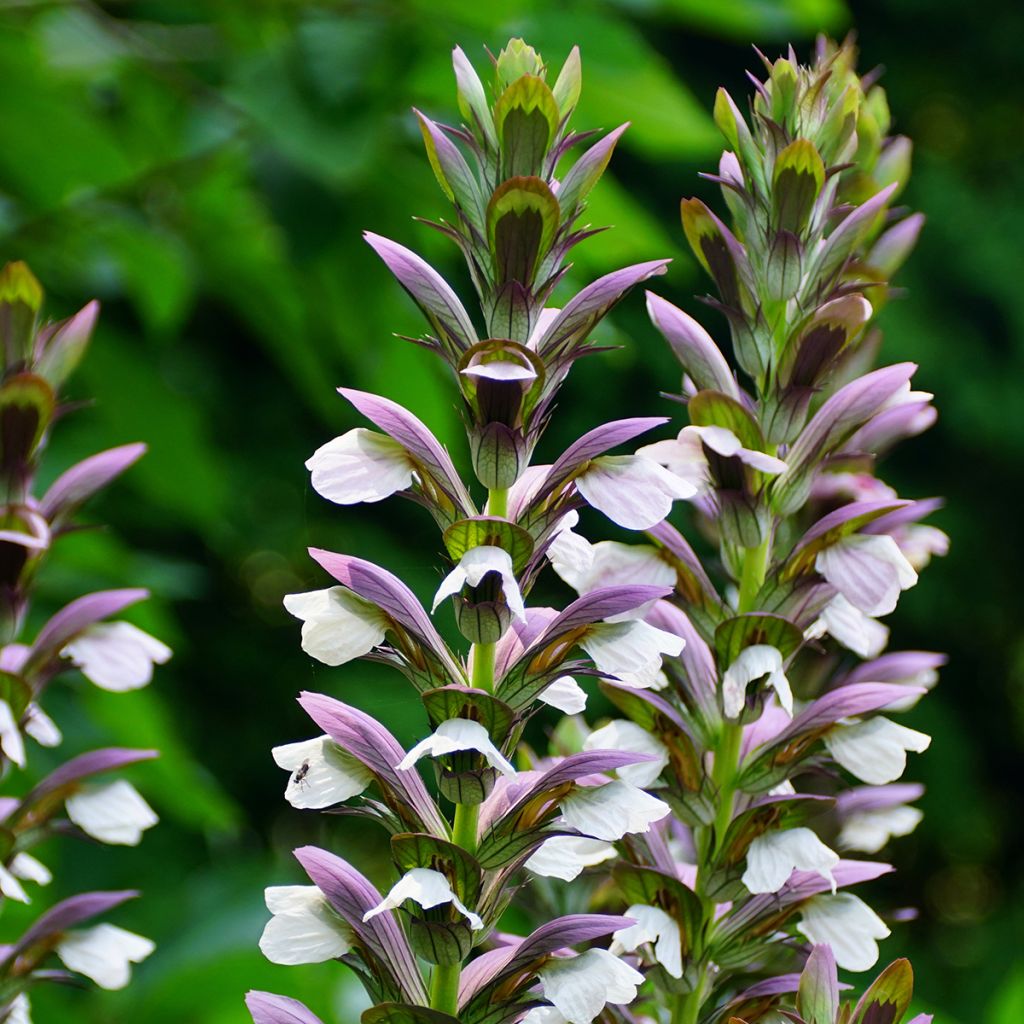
(764, 726)
(115, 655)
(459, 848)
(718, 800)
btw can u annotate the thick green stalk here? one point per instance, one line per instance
(444, 982)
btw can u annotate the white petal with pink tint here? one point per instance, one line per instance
(868, 570)
(474, 565)
(117, 656)
(359, 466)
(337, 625)
(634, 492)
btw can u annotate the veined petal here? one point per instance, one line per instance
(359, 466)
(631, 651)
(566, 695)
(621, 734)
(579, 987)
(322, 774)
(11, 740)
(565, 857)
(655, 926)
(856, 631)
(613, 810)
(117, 656)
(869, 830)
(868, 570)
(774, 856)
(337, 625)
(752, 663)
(454, 735)
(304, 928)
(429, 889)
(474, 565)
(104, 954)
(848, 925)
(875, 750)
(630, 490)
(112, 812)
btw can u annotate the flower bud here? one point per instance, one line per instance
(21, 295)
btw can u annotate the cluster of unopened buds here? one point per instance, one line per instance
(706, 816)
(77, 798)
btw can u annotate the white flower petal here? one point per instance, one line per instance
(774, 856)
(868, 570)
(875, 750)
(429, 889)
(653, 925)
(869, 831)
(19, 1010)
(322, 774)
(11, 741)
(613, 810)
(11, 888)
(337, 626)
(566, 695)
(361, 465)
(579, 987)
(112, 812)
(752, 663)
(474, 565)
(856, 631)
(104, 954)
(565, 857)
(631, 490)
(848, 925)
(631, 651)
(304, 928)
(454, 735)
(25, 866)
(621, 734)
(572, 556)
(117, 656)
(41, 727)
(543, 1015)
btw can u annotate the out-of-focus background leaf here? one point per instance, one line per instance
(206, 169)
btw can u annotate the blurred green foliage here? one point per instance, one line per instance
(206, 169)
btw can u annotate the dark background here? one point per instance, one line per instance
(205, 169)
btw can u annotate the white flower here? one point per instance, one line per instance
(620, 734)
(112, 812)
(543, 1015)
(565, 857)
(104, 954)
(685, 456)
(304, 929)
(774, 856)
(566, 695)
(875, 750)
(634, 492)
(337, 626)
(322, 774)
(613, 810)
(586, 567)
(473, 566)
(653, 925)
(580, 986)
(361, 465)
(116, 656)
(19, 1010)
(11, 888)
(429, 889)
(848, 925)
(858, 632)
(868, 831)
(41, 727)
(752, 663)
(28, 867)
(631, 651)
(868, 570)
(25, 866)
(454, 735)
(11, 741)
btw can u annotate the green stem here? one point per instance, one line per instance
(444, 988)
(483, 667)
(497, 502)
(464, 828)
(752, 573)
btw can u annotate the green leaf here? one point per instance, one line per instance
(526, 119)
(419, 850)
(888, 998)
(522, 218)
(401, 1013)
(650, 886)
(26, 407)
(796, 182)
(491, 531)
(715, 409)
